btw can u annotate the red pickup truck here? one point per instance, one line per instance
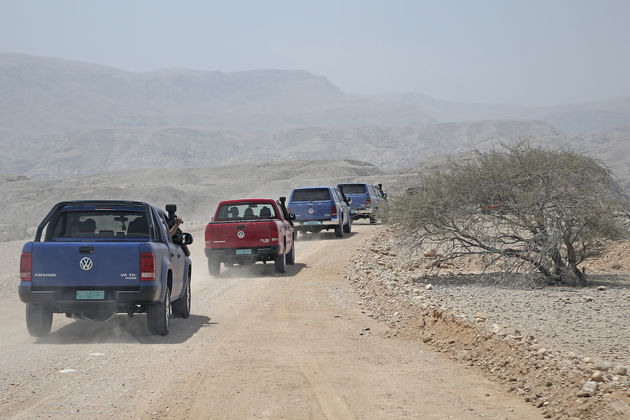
(250, 230)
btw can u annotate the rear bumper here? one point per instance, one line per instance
(63, 299)
(309, 224)
(257, 253)
(362, 213)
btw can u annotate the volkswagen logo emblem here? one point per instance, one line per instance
(86, 263)
(240, 234)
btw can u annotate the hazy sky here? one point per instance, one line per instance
(533, 52)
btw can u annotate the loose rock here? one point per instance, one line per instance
(597, 376)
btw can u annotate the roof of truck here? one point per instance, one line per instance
(248, 200)
(312, 188)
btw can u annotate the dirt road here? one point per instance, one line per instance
(258, 345)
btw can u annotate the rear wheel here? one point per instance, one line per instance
(339, 231)
(372, 220)
(159, 314)
(38, 319)
(347, 228)
(281, 262)
(214, 267)
(291, 255)
(181, 307)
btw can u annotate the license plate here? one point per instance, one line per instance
(243, 252)
(90, 294)
(313, 222)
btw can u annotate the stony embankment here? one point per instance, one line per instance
(565, 350)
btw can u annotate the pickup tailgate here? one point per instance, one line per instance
(240, 234)
(89, 265)
(312, 210)
(358, 200)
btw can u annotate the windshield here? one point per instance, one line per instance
(101, 224)
(245, 211)
(311, 194)
(352, 188)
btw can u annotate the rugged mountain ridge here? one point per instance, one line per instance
(99, 150)
(42, 94)
(47, 94)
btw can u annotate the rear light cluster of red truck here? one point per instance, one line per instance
(207, 236)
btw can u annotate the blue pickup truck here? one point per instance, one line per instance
(94, 259)
(319, 208)
(368, 200)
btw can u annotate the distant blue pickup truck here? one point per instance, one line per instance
(94, 259)
(320, 208)
(367, 199)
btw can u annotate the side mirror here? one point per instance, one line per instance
(171, 208)
(187, 238)
(291, 216)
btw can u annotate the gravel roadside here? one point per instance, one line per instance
(565, 350)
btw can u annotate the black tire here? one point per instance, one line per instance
(38, 320)
(214, 267)
(159, 314)
(281, 262)
(291, 255)
(372, 220)
(181, 307)
(347, 228)
(339, 231)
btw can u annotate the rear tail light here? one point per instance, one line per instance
(26, 266)
(208, 240)
(368, 201)
(333, 210)
(147, 266)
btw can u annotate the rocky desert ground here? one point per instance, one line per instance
(565, 350)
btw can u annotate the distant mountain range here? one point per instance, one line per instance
(59, 95)
(52, 95)
(61, 118)
(115, 149)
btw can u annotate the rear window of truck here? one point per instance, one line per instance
(353, 188)
(245, 211)
(311, 194)
(101, 224)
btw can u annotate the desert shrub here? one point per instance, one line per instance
(528, 207)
